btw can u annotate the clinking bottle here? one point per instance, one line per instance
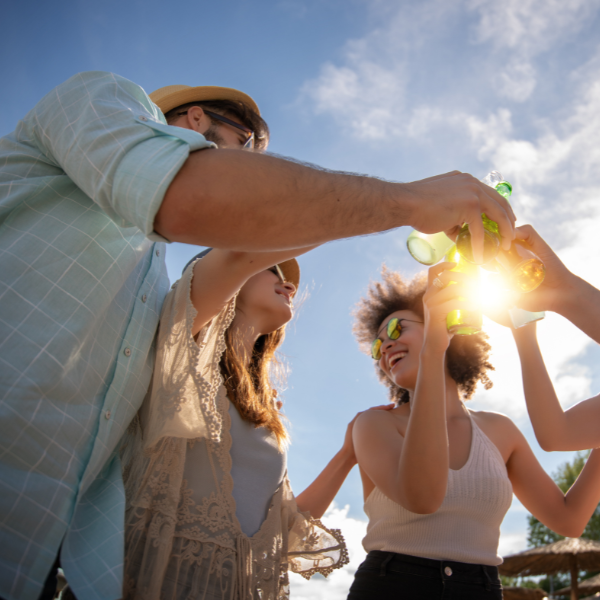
(463, 322)
(521, 268)
(428, 249)
(491, 232)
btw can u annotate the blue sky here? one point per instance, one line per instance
(396, 89)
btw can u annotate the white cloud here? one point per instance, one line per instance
(530, 26)
(512, 543)
(517, 81)
(366, 95)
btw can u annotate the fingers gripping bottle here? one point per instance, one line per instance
(491, 232)
(521, 268)
(463, 322)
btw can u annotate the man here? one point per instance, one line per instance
(93, 182)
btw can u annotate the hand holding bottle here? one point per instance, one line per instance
(559, 281)
(449, 292)
(446, 202)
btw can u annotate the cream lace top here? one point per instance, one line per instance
(183, 539)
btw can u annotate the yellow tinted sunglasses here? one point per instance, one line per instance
(393, 330)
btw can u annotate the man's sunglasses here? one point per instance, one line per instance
(248, 144)
(393, 330)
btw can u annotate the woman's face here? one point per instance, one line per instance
(266, 301)
(400, 357)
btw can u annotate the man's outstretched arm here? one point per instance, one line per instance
(240, 200)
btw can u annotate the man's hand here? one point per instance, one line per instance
(447, 201)
(559, 281)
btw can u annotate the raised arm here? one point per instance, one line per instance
(221, 273)
(555, 428)
(321, 492)
(567, 514)
(276, 203)
(562, 291)
(411, 466)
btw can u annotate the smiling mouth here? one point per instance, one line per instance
(396, 358)
(287, 298)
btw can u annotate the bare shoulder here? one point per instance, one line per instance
(373, 421)
(500, 429)
(492, 418)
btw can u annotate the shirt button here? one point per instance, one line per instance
(107, 414)
(143, 118)
(144, 298)
(158, 253)
(127, 352)
(448, 571)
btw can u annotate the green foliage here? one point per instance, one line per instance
(518, 582)
(565, 476)
(540, 535)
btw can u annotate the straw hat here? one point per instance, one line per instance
(290, 268)
(171, 96)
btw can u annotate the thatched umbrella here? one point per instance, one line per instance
(594, 597)
(589, 586)
(569, 555)
(521, 593)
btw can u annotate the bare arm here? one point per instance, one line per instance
(412, 469)
(250, 201)
(567, 514)
(321, 492)
(562, 291)
(221, 273)
(555, 429)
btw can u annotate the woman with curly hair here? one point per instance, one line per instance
(437, 477)
(210, 513)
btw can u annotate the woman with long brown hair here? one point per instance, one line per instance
(210, 513)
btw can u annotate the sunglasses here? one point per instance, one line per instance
(393, 330)
(248, 144)
(277, 270)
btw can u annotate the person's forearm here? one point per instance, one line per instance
(580, 303)
(246, 201)
(546, 413)
(320, 493)
(423, 465)
(221, 273)
(580, 501)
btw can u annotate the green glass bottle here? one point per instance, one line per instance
(463, 322)
(522, 269)
(491, 240)
(428, 249)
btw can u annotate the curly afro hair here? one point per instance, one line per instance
(467, 355)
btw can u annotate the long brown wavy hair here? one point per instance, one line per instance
(250, 387)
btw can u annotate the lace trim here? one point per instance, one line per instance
(323, 570)
(207, 391)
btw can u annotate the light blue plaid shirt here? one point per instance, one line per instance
(82, 281)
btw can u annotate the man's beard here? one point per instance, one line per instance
(212, 135)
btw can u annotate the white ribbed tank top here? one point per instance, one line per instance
(466, 527)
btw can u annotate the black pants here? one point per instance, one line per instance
(387, 575)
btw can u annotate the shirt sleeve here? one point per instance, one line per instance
(113, 142)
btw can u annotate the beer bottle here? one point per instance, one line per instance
(463, 322)
(428, 249)
(491, 233)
